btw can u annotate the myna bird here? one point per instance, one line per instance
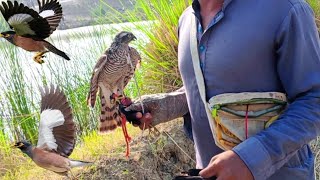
(111, 74)
(30, 28)
(57, 134)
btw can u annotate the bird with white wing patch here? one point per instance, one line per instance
(30, 28)
(57, 134)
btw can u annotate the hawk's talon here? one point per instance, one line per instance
(117, 98)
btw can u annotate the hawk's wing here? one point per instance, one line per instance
(25, 21)
(92, 95)
(56, 130)
(135, 60)
(51, 10)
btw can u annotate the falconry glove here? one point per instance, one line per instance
(163, 106)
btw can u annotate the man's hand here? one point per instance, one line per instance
(135, 117)
(227, 166)
(145, 120)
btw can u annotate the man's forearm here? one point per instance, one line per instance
(163, 107)
(177, 105)
(166, 106)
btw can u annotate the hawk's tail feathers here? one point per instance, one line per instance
(110, 117)
(55, 50)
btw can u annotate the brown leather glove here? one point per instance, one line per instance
(158, 108)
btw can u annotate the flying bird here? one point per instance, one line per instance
(110, 76)
(30, 28)
(57, 134)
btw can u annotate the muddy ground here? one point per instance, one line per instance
(153, 157)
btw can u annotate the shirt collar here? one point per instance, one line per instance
(196, 6)
(226, 3)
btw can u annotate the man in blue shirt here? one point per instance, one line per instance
(249, 46)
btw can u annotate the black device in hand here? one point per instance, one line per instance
(192, 174)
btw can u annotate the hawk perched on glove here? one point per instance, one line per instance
(111, 74)
(30, 28)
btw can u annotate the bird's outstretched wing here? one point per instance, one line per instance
(51, 10)
(92, 95)
(57, 130)
(25, 21)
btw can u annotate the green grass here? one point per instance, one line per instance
(315, 4)
(92, 147)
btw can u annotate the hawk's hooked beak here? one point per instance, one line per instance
(134, 38)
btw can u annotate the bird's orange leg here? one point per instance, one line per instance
(125, 133)
(123, 124)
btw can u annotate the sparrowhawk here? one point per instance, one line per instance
(111, 74)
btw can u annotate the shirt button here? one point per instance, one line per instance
(199, 29)
(202, 47)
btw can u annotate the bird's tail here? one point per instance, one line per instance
(110, 116)
(77, 163)
(55, 50)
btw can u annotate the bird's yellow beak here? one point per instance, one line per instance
(1, 35)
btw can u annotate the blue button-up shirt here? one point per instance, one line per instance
(258, 46)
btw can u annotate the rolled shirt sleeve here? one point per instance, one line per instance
(298, 64)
